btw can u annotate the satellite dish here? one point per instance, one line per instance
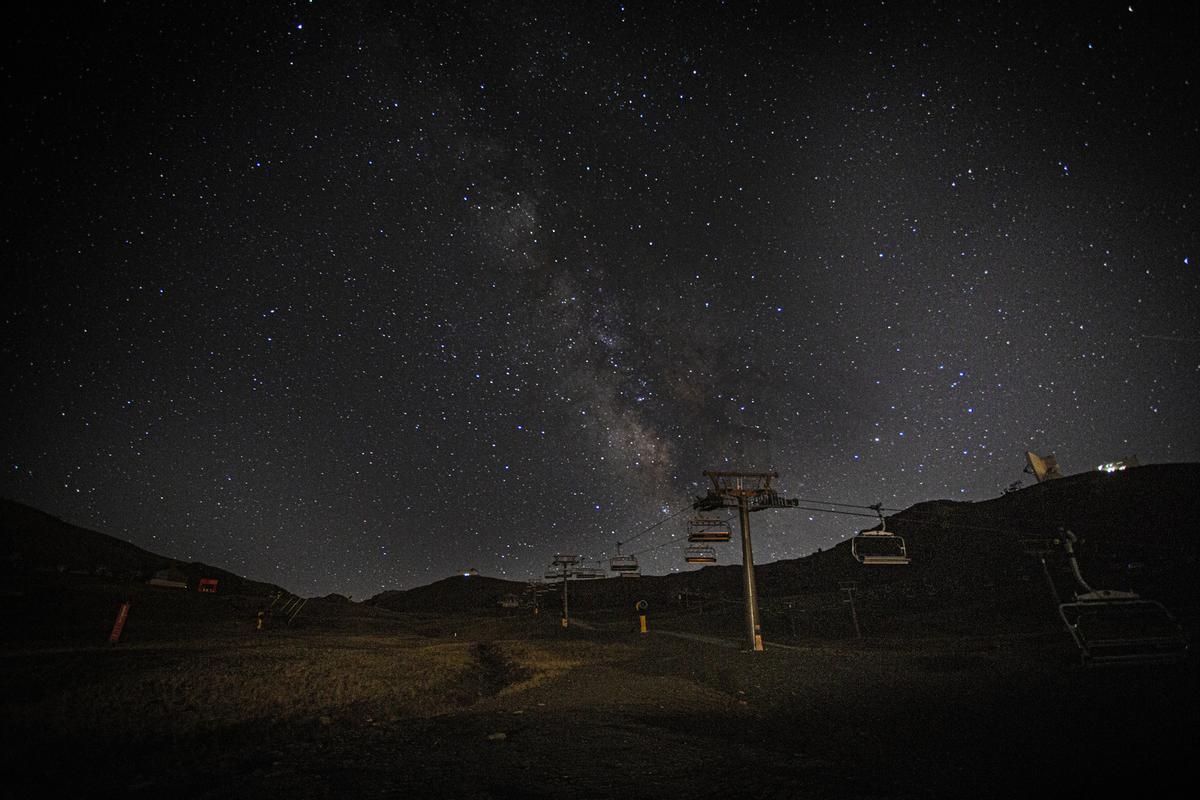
(1044, 468)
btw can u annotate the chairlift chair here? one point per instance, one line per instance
(700, 554)
(879, 547)
(587, 573)
(1115, 627)
(625, 566)
(708, 529)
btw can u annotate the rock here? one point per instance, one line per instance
(325, 720)
(497, 737)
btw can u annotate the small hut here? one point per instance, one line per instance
(170, 578)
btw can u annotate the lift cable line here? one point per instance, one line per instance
(626, 564)
(911, 517)
(847, 505)
(924, 517)
(646, 530)
(659, 546)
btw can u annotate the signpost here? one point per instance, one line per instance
(119, 625)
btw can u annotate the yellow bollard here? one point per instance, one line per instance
(642, 617)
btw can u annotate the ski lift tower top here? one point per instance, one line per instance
(741, 484)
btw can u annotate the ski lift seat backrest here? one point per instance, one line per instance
(708, 529)
(623, 564)
(879, 548)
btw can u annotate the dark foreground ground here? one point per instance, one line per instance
(493, 706)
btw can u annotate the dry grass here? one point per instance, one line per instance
(460, 707)
(181, 688)
(171, 690)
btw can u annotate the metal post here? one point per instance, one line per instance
(753, 629)
(566, 618)
(853, 611)
(1050, 581)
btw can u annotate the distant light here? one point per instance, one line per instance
(1113, 466)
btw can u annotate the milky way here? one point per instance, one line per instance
(352, 299)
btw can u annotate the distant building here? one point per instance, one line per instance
(470, 573)
(1120, 465)
(169, 579)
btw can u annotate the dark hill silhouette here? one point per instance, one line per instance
(456, 594)
(1136, 528)
(33, 541)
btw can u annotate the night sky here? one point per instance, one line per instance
(351, 297)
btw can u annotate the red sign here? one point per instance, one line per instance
(208, 585)
(119, 625)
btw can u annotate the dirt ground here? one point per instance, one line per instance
(490, 707)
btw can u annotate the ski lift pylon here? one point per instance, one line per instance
(879, 547)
